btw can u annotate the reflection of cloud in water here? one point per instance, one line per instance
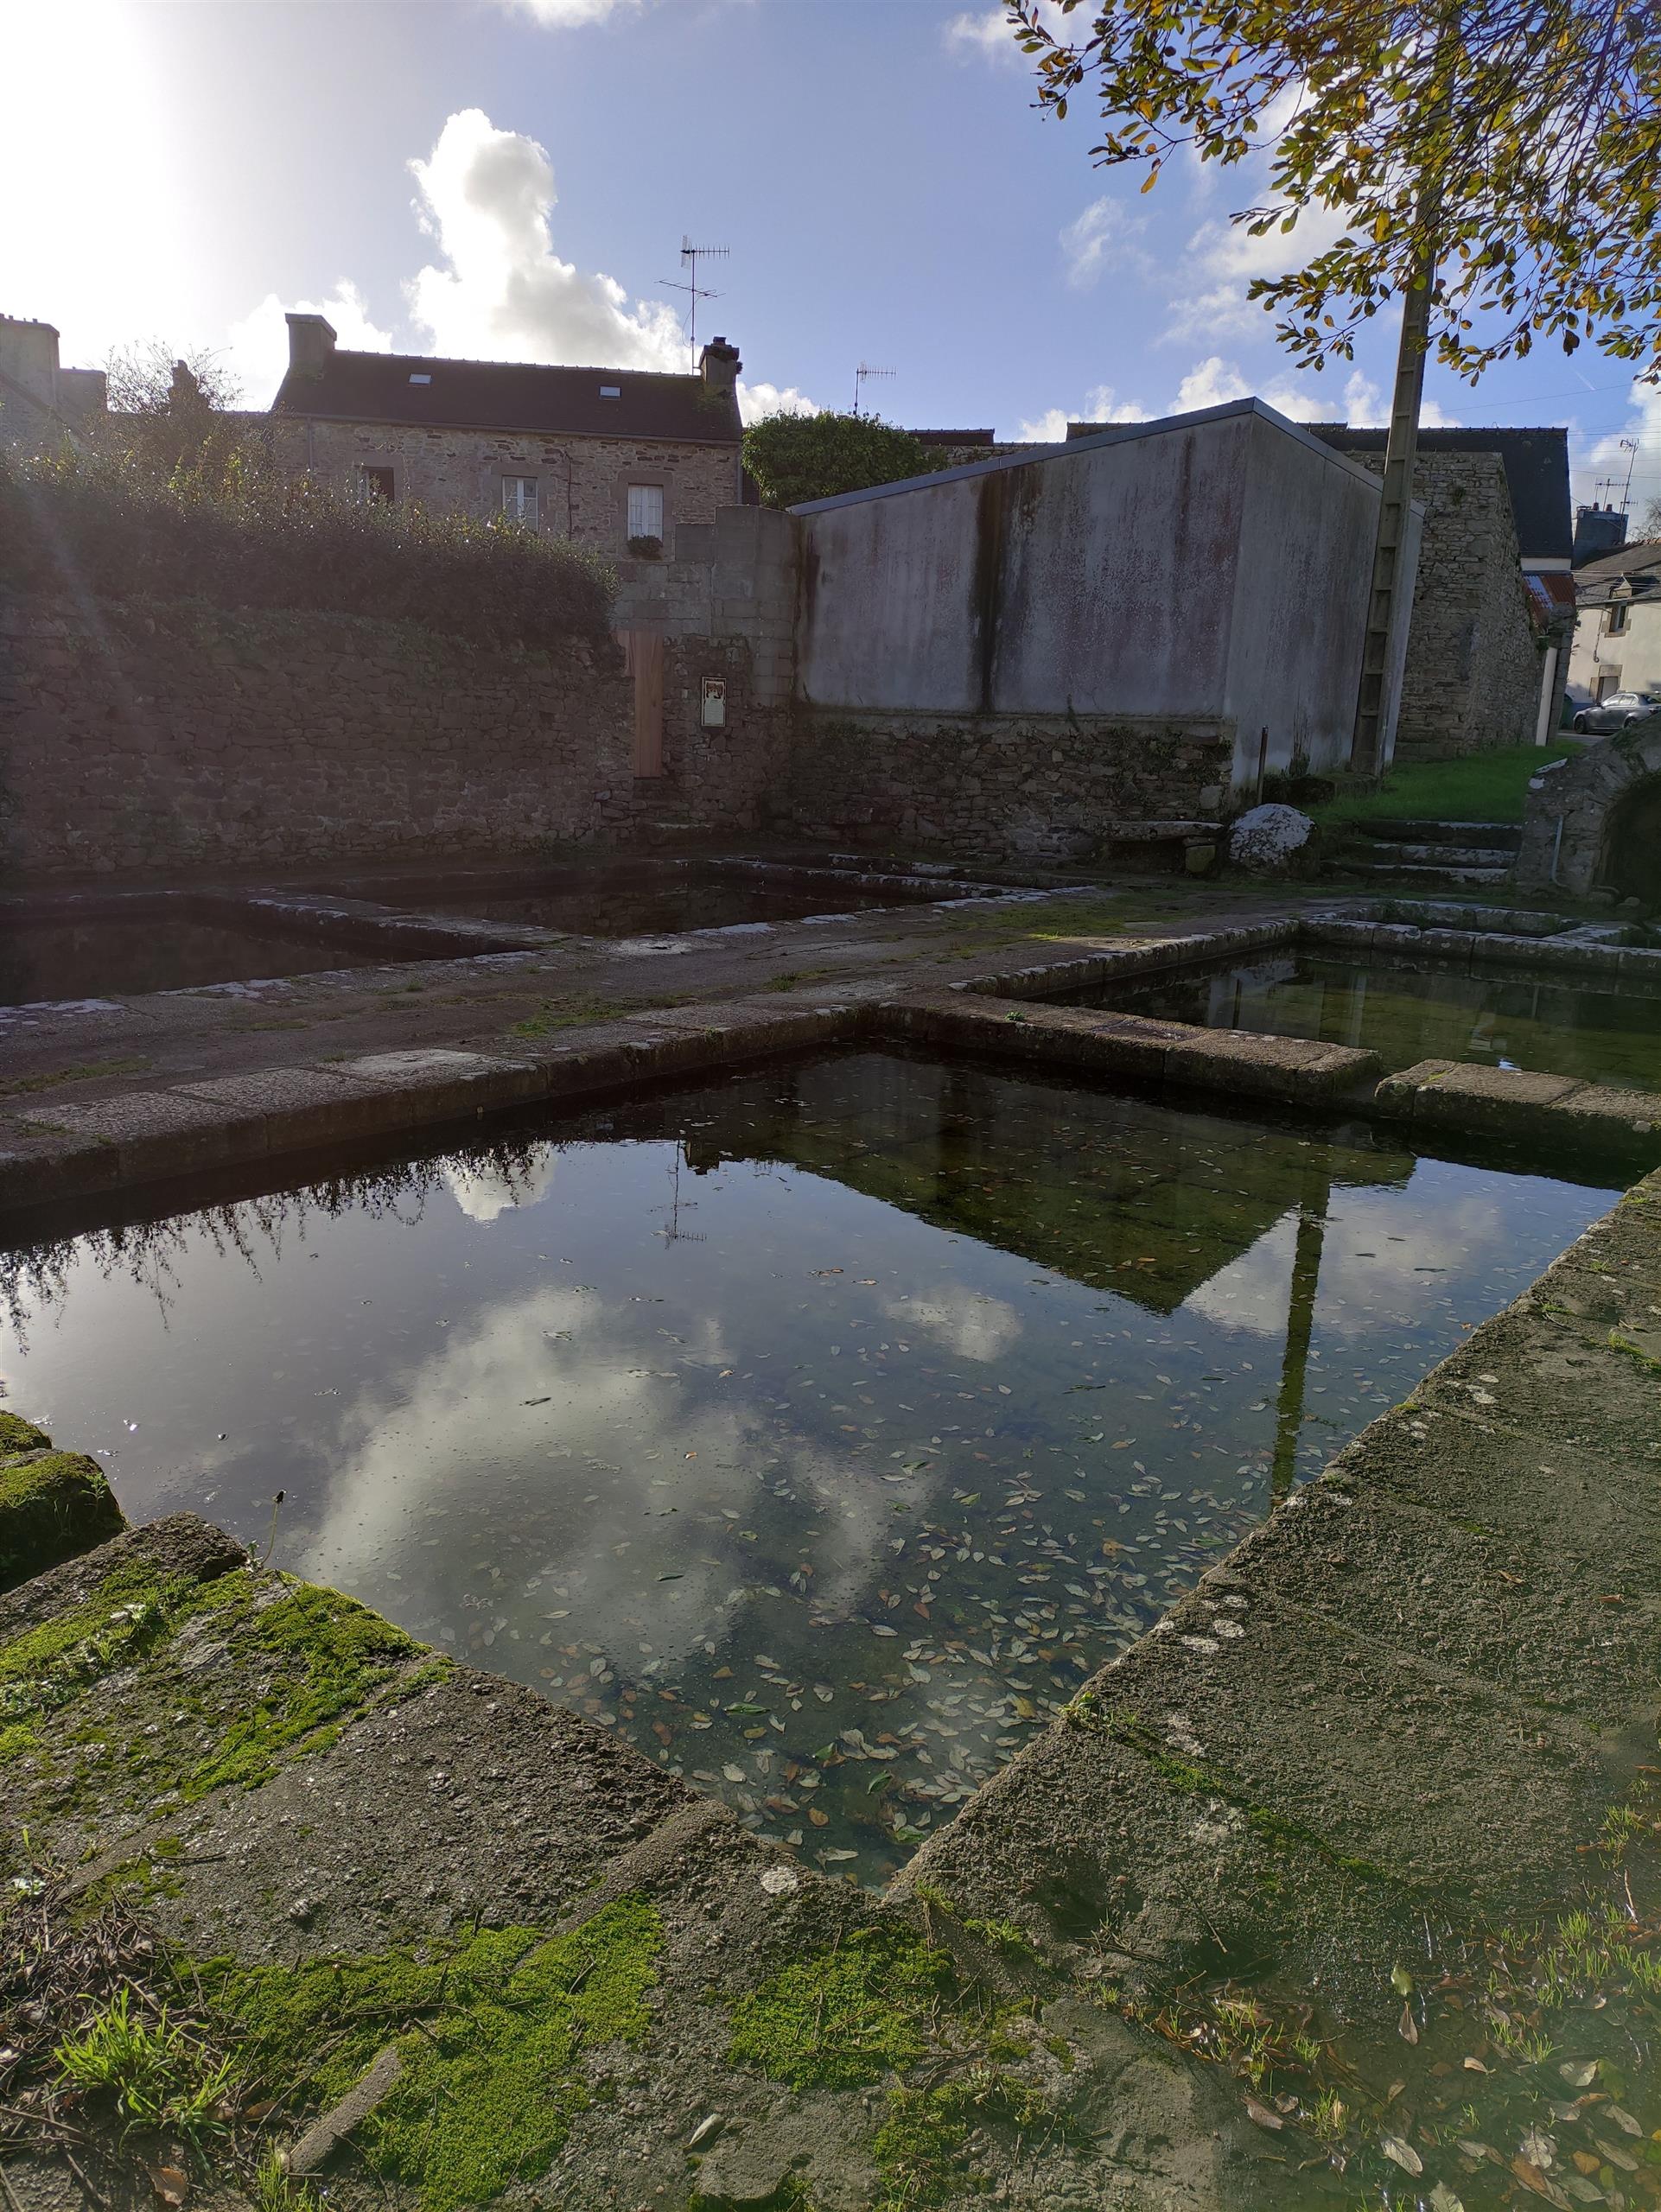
(1366, 1265)
(613, 1478)
(484, 1188)
(968, 1323)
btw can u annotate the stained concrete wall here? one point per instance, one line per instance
(1212, 568)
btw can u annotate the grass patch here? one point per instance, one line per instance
(1482, 787)
(566, 1014)
(88, 1071)
(146, 2073)
(492, 2032)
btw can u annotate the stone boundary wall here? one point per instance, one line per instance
(137, 738)
(1572, 843)
(1026, 786)
(1473, 675)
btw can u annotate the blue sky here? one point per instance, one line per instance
(514, 181)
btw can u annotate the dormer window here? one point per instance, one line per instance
(611, 391)
(420, 379)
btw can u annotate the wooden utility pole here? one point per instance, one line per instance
(1395, 519)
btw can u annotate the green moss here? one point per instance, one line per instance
(52, 1508)
(846, 2015)
(17, 1435)
(568, 1013)
(17, 1741)
(332, 1653)
(130, 1613)
(492, 2075)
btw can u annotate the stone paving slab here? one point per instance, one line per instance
(1577, 1505)
(1549, 1380)
(1562, 1630)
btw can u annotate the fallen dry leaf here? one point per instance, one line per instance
(171, 2184)
(1262, 2115)
(1401, 2154)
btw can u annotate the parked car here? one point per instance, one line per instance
(1597, 718)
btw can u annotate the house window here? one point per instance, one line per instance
(1615, 620)
(377, 484)
(519, 498)
(646, 512)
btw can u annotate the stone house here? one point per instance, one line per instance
(42, 403)
(612, 459)
(1493, 609)
(1618, 635)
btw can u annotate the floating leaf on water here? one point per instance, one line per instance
(1537, 2148)
(1616, 2156)
(1407, 2027)
(1401, 1981)
(1579, 2073)
(1442, 2199)
(1401, 2154)
(1623, 2121)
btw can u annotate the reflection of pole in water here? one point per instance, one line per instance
(672, 1232)
(1300, 1326)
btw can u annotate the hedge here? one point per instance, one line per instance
(78, 524)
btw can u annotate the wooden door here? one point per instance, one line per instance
(643, 659)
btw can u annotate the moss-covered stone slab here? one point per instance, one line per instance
(346, 1844)
(17, 1435)
(53, 1504)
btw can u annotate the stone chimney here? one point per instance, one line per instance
(718, 365)
(311, 342)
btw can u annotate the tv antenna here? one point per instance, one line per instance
(862, 376)
(691, 255)
(672, 1232)
(1629, 447)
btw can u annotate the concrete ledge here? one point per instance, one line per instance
(1521, 1103)
(153, 1133)
(1085, 1038)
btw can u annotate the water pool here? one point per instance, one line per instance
(105, 955)
(820, 1429)
(1407, 1011)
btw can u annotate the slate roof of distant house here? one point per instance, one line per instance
(511, 396)
(1641, 560)
(1537, 475)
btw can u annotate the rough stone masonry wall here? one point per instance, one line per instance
(582, 483)
(1026, 786)
(136, 738)
(1473, 675)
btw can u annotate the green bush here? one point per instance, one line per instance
(228, 529)
(797, 457)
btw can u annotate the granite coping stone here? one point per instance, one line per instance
(1519, 1613)
(1304, 1718)
(1556, 1383)
(39, 1163)
(154, 1133)
(307, 1105)
(1465, 1466)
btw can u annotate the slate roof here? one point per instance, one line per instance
(1641, 560)
(1536, 474)
(524, 396)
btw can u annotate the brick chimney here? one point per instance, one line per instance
(718, 365)
(311, 342)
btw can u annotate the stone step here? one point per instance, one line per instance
(1430, 877)
(1390, 855)
(1424, 832)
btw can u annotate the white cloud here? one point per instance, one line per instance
(1224, 258)
(564, 15)
(256, 348)
(969, 1324)
(1102, 236)
(755, 400)
(985, 32)
(1050, 428)
(501, 293)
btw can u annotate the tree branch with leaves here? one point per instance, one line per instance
(1513, 146)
